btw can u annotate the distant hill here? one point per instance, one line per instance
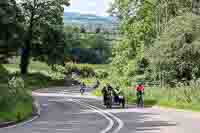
(71, 17)
(92, 21)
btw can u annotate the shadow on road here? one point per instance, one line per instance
(141, 122)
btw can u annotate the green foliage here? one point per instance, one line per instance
(182, 96)
(84, 70)
(88, 81)
(44, 35)
(11, 28)
(15, 101)
(146, 24)
(101, 74)
(40, 75)
(97, 92)
(176, 52)
(20, 111)
(93, 46)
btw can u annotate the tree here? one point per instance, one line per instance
(196, 7)
(176, 52)
(11, 32)
(142, 23)
(39, 15)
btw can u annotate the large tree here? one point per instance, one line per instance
(11, 32)
(41, 17)
(142, 23)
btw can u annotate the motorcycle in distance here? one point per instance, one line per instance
(83, 88)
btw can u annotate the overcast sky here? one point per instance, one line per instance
(97, 7)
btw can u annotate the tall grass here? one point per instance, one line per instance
(185, 97)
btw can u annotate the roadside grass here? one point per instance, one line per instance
(87, 81)
(40, 76)
(183, 97)
(97, 93)
(20, 111)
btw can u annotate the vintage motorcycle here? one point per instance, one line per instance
(111, 98)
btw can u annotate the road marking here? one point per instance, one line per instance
(73, 95)
(47, 129)
(120, 122)
(111, 122)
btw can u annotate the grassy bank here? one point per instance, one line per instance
(40, 75)
(183, 97)
(20, 110)
(19, 107)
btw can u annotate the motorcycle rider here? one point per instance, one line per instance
(104, 92)
(83, 87)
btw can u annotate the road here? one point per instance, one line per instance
(64, 110)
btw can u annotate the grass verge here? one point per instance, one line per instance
(20, 111)
(40, 76)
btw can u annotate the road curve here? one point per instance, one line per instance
(64, 110)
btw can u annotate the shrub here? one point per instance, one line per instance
(176, 53)
(16, 102)
(84, 70)
(101, 74)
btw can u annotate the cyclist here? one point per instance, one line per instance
(140, 92)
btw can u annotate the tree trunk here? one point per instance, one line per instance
(25, 54)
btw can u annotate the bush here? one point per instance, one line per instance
(84, 70)
(15, 103)
(97, 92)
(176, 53)
(101, 74)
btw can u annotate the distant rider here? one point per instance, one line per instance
(83, 87)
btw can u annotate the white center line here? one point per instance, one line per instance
(111, 122)
(120, 122)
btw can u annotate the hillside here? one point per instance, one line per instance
(91, 21)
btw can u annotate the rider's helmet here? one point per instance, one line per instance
(140, 83)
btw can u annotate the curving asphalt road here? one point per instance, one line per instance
(64, 110)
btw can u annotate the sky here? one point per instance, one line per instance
(96, 7)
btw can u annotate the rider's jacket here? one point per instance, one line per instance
(140, 88)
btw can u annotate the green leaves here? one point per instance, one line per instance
(11, 28)
(45, 38)
(177, 51)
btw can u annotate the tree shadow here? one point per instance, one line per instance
(146, 122)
